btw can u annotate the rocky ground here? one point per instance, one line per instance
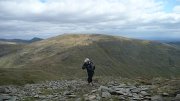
(79, 90)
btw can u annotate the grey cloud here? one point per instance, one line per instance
(48, 21)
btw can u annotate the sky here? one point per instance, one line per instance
(145, 19)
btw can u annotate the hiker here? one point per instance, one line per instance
(89, 66)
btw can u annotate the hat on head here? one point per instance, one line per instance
(87, 60)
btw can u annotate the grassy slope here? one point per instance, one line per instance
(8, 48)
(62, 56)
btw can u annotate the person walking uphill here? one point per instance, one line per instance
(89, 66)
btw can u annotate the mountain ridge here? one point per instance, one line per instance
(21, 41)
(62, 57)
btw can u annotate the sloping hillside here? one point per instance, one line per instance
(176, 44)
(7, 48)
(62, 56)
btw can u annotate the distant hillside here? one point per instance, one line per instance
(175, 43)
(7, 48)
(20, 41)
(62, 56)
(34, 40)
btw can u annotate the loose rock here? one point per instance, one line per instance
(156, 98)
(177, 98)
(106, 95)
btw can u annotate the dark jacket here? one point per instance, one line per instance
(89, 66)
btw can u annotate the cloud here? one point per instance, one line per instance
(176, 9)
(46, 18)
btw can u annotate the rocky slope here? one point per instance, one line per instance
(79, 90)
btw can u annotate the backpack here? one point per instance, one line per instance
(90, 66)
